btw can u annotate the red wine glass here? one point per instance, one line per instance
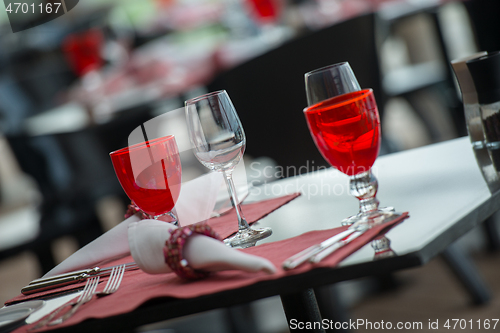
(346, 130)
(150, 174)
(330, 81)
(265, 11)
(83, 51)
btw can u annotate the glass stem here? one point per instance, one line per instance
(173, 217)
(364, 186)
(242, 222)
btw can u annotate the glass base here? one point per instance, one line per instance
(379, 216)
(382, 247)
(248, 237)
(169, 217)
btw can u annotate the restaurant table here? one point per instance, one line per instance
(440, 185)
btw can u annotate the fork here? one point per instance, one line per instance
(114, 281)
(45, 321)
(84, 298)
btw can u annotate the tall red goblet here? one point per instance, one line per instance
(150, 174)
(346, 130)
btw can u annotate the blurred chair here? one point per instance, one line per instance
(26, 88)
(72, 170)
(484, 18)
(72, 175)
(40, 75)
(269, 92)
(426, 81)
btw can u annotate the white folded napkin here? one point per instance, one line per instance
(147, 239)
(196, 203)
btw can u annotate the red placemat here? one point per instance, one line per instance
(225, 226)
(138, 287)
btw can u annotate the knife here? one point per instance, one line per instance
(90, 271)
(301, 257)
(69, 278)
(329, 250)
(54, 283)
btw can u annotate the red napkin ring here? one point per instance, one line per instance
(175, 244)
(134, 209)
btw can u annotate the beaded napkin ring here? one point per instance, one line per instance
(134, 209)
(175, 244)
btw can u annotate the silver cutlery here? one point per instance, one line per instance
(319, 251)
(112, 285)
(90, 271)
(115, 279)
(329, 250)
(51, 284)
(73, 302)
(70, 278)
(84, 298)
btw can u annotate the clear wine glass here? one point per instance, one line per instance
(346, 130)
(219, 142)
(150, 174)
